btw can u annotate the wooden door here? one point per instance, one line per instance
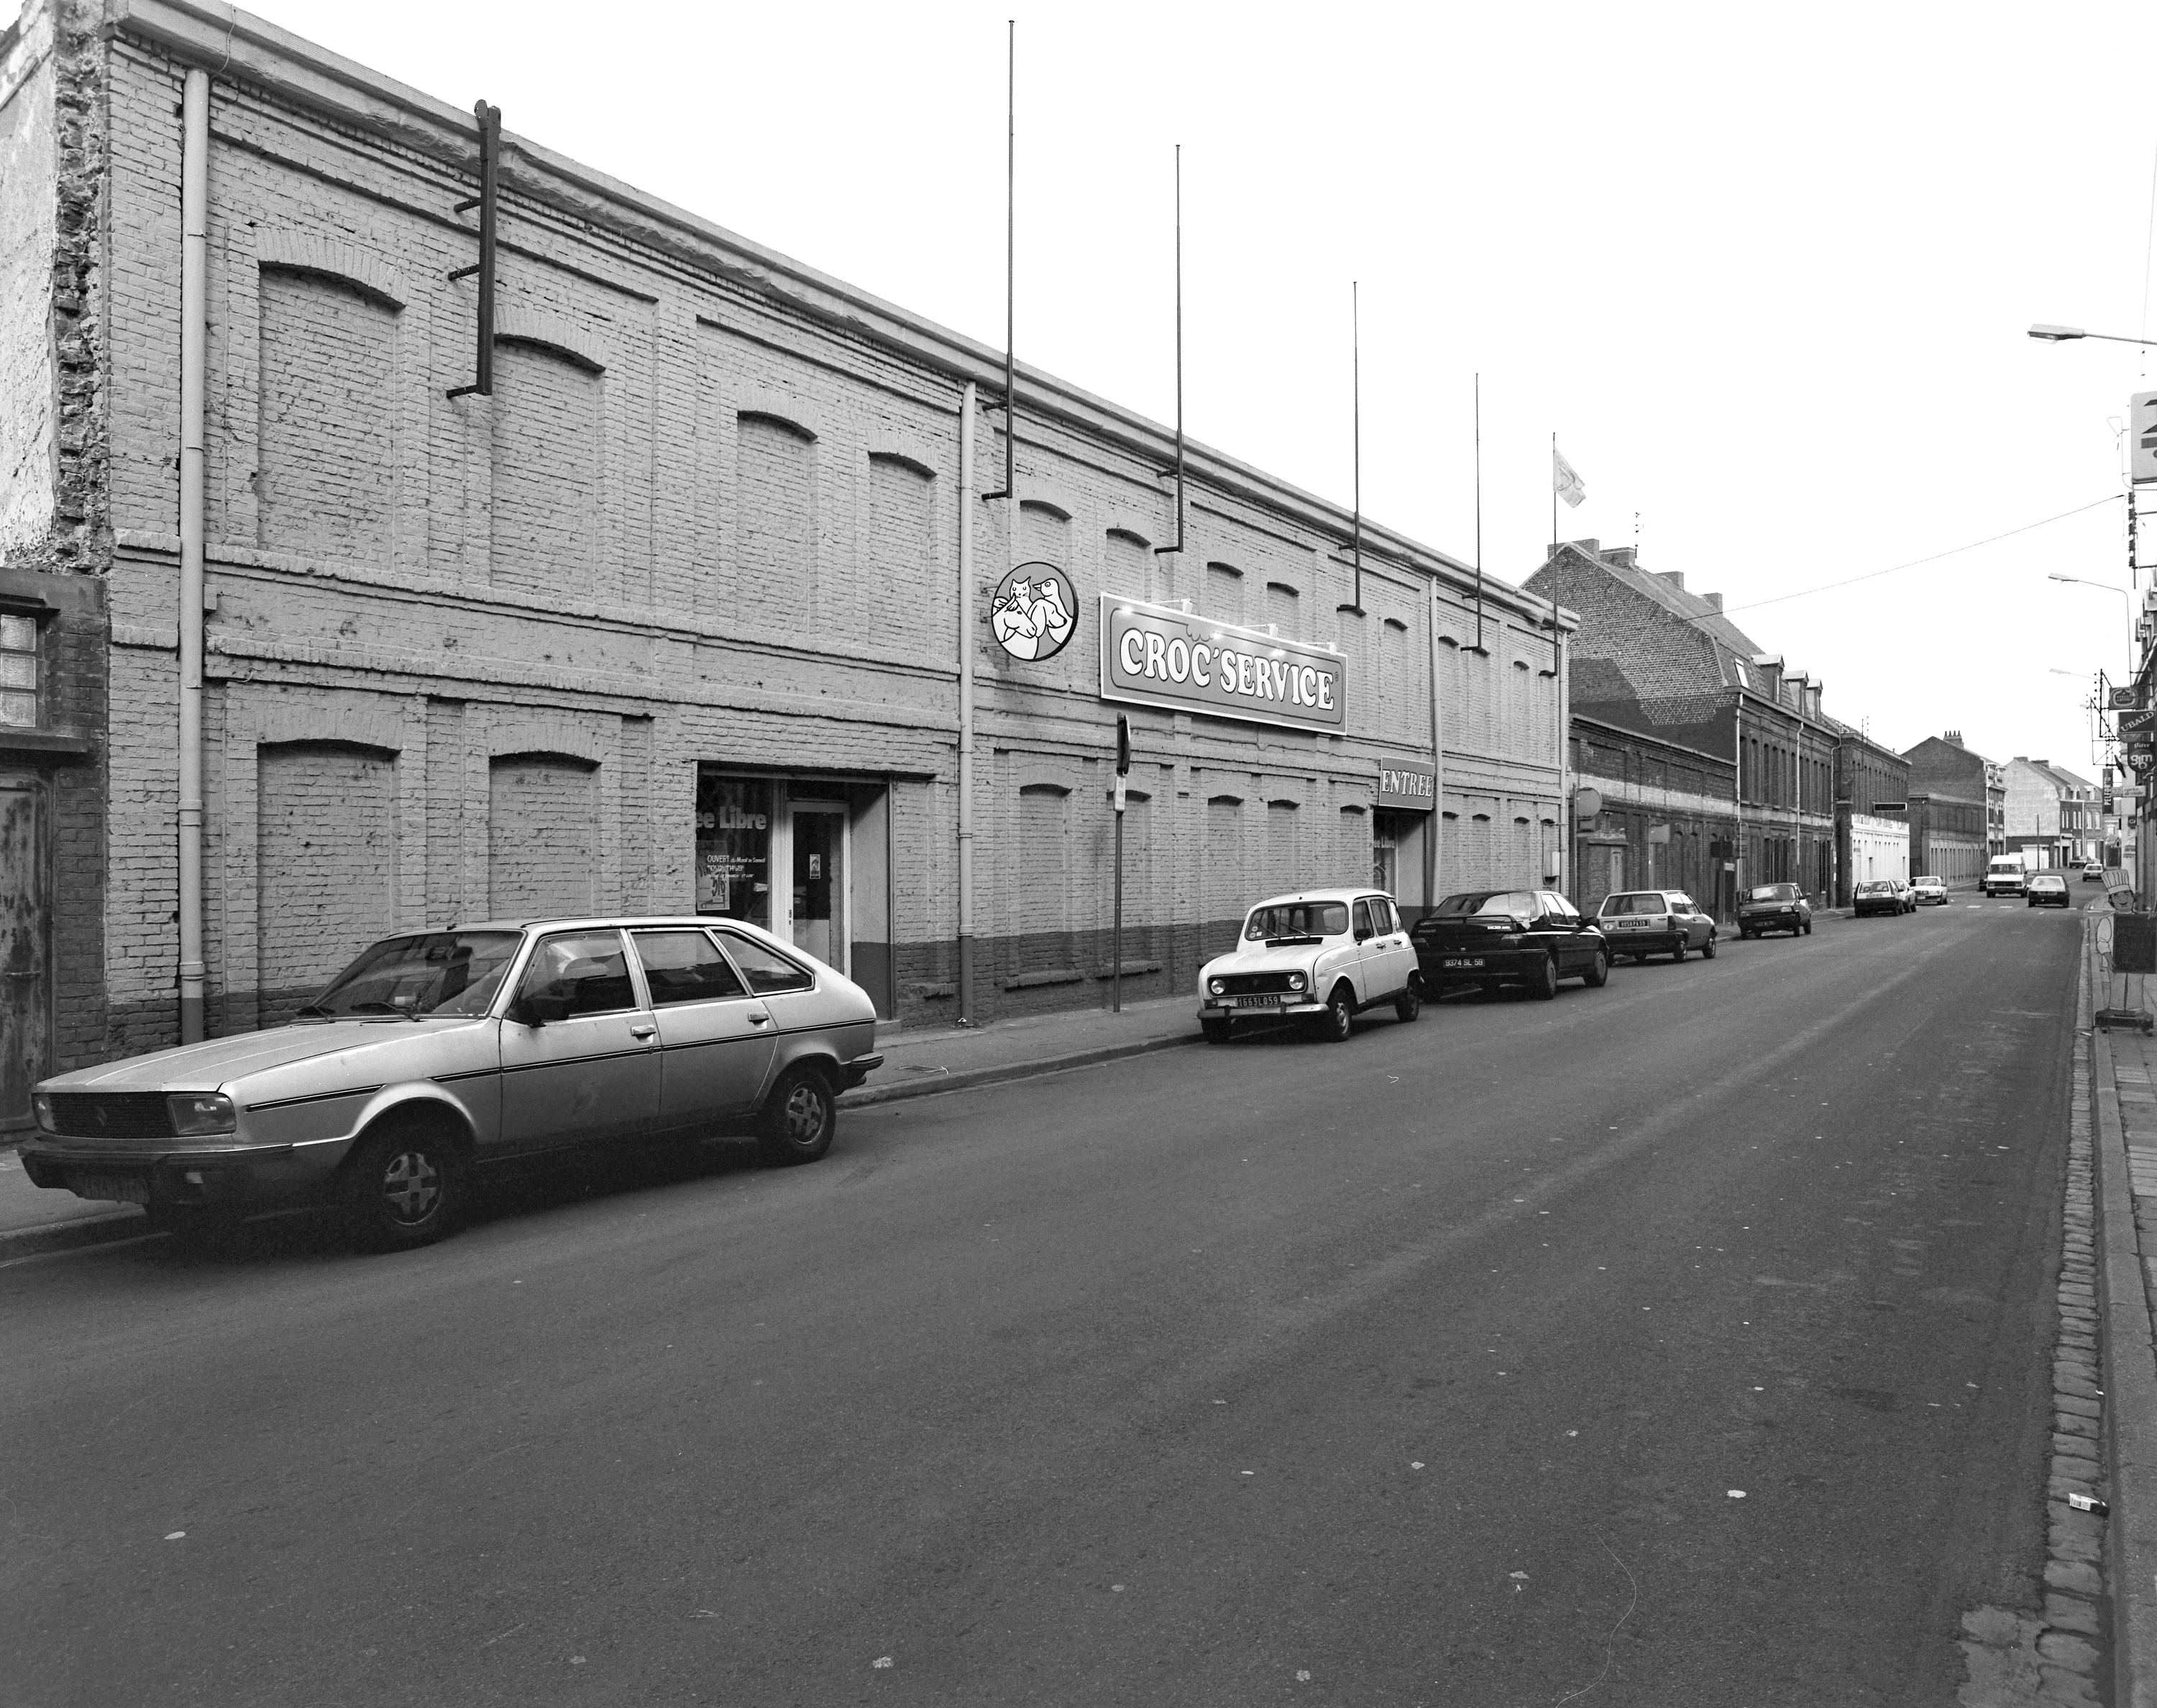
(26, 999)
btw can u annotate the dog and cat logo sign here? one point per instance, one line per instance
(1033, 612)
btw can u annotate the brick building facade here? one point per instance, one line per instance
(1654, 659)
(672, 619)
(1663, 809)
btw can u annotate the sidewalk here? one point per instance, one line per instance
(918, 1062)
(2122, 1078)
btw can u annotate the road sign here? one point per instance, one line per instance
(2142, 437)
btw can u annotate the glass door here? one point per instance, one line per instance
(819, 861)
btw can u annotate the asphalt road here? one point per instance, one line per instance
(1421, 1369)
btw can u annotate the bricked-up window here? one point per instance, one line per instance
(1284, 608)
(1393, 678)
(548, 469)
(1127, 563)
(775, 525)
(327, 478)
(1044, 535)
(1223, 896)
(542, 836)
(901, 527)
(1283, 850)
(1224, 593)
(1042, 888)
(325, 865)
(19, 671)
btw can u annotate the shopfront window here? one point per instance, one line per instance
(734, 848)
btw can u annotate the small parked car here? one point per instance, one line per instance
(436, 1054)
(1879, 895)
(2048, 889)
(1641, 923)
(1490, 940)
(1929, 891)
(1323, 955)
(2094, 872)
(1774, 906)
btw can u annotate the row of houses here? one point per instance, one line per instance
(675, 576)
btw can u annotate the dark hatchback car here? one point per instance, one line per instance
(2048, 889)
(1487, 939)
(1774, 906)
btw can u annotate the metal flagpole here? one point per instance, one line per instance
(1356, 418)
(1479, 513)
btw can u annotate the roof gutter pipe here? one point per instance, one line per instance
(194, 328)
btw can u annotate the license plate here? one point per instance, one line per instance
(1258, 1002)
(125, 1188)
(1633, 925)
(1464, 962)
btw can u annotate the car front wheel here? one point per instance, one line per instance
(798, 1118)
(1339, 1019)
(404, 1187)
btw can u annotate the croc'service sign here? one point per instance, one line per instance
(1159, 656)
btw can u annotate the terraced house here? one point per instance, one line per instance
(371, 574)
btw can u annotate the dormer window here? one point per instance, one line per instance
(19, 671)
(1743, 680)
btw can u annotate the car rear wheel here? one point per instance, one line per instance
(1410, 1003)
(1807, 928)
(1542, 980)
(403, 1187)
(1598, 972)
(798, 1118)
(1339, 1020)
(1707, 949)
(1678, 950)
(1214, 1031)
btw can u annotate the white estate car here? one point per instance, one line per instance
(1321, 954)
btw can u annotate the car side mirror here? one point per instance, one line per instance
(536, 1010)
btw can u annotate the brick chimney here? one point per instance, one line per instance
(1624, 557)
(1714, 601)
(1953, 738)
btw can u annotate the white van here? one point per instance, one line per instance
(2005, 875)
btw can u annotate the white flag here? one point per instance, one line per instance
(1565, 480)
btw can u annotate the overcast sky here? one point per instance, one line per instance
(1766, 273)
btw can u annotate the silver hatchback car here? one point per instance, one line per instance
(438, 1053)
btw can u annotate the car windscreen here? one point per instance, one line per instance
(441, 972)
(1773, 893)
(1643, 902)
(1924, 880)
(1296, 919)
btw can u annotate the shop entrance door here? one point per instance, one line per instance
(820, 921)
(25, 991)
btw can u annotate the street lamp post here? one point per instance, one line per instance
(2067, 334)
(2127, 607)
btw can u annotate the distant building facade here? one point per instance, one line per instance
(1667, 665)
(1958, 808)
(1666, 815)
(2051, 809)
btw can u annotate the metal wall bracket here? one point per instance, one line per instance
(490, 150)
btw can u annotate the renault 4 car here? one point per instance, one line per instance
(437, 1053)
(1641, 923)
(1774, 906)
(1491, 939)
(1323, 956)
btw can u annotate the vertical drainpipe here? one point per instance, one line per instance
(966, 706)
(195, 267)
(1436, 826)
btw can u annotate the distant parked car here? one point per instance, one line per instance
(1323, 955)
(1490, 939)
(1641, 923)
(1879, 895)
(1929, 891)
(2048, 889)
(2094, 872)
(438, 1053)
(1774, 906)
